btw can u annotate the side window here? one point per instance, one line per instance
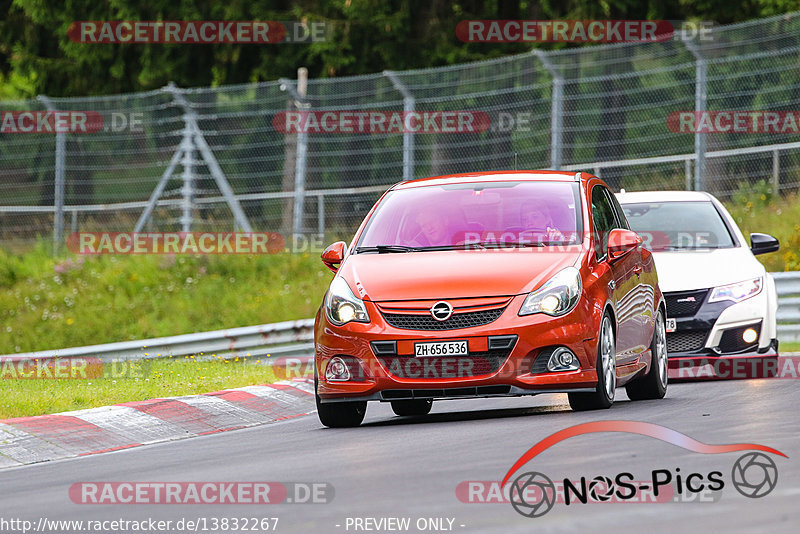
(622, 221)
(604, 221)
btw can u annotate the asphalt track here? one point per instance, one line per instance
(410, 467)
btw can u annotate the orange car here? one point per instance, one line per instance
(489, 284)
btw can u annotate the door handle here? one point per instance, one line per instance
(637, 270)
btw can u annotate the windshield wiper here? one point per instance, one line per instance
(499, 244)
(382, 249)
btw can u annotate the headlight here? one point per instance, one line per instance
(557, 296)
(342, 306)
(736, 292)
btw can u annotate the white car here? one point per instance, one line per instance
(721, 302)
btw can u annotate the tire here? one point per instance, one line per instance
(412, 407)
(653, 385)
(340, 414)
(603, 395)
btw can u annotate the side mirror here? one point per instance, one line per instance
(763, 243)
(621, 242)
(334, 255)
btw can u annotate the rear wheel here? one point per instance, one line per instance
(603, 395)
(340, 414)
(412, 407)
(653, 385)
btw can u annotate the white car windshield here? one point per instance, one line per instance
(679, 225)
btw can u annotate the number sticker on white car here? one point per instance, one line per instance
(441, 348)
(671, 326)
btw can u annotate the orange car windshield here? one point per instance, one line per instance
(480, 214)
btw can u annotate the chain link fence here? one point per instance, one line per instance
(213, 159)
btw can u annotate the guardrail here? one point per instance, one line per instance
(788, 287)
(296, 338)
(290, 338)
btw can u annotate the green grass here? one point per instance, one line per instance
(756, 211)
(161, 378)
(49, 303)
(789, 347)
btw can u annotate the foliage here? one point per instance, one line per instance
(37, 57)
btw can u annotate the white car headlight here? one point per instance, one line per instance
(557, 296)
(736, 292)
(342, 306)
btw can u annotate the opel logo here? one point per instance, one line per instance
(441, 311)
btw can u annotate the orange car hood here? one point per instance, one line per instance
(453, 274)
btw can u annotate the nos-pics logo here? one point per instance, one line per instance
(533, 494)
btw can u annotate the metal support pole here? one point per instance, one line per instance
(700, 97)
(199, 142)
(688, 173)
(58, 193)
(556, 111)
(187, 205)
(144, 218)
(320, 214)
(776, 164)
(409, 106)
(299, 94)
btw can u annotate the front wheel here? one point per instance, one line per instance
(412, 407)
(603, 395)
(340, 414)
(653, 385)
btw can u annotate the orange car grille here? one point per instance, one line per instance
(407, 321)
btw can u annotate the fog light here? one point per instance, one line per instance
(337, 370)
(563, 359)
(749, 335)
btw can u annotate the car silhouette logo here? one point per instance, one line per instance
(687, 299)
(441, 311)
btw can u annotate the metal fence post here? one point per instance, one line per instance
(187, 206)
(409, 105)
(688, 172)
(700, 96)
(299, 94)
(58, 193)
(321, 214)
(776, 164)
(556, 111)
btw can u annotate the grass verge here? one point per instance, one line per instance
(52, 303)
(789, 347)
(162, 378)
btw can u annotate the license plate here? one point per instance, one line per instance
(671, 325)
(441, 348)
